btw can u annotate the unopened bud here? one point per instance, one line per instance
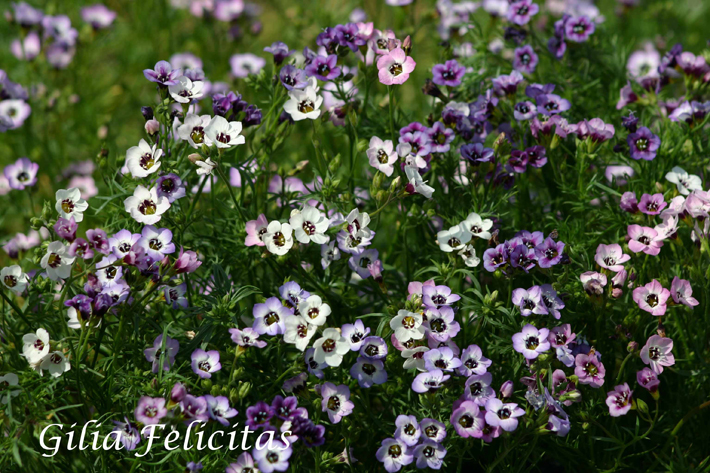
(152, 126)
(194, 157)
(632, 347)
(147, 113)
(407, 45)
(506, 390)
(395, 183)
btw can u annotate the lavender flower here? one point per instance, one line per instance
(449, 74)
(643, 144)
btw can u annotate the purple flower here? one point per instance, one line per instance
(98, 16)
(394, 454)
(170, 186)
(473, 362)
(308, 432)
(551, 301)
(269, 317)
(323, 68)
(503, 415)
(287, 408)
(644, 239)
(524, 110)
(589, 369)
(204, 363)
(494, 258)
(595, 129)
(163, 74)
(194, 409)
(629, 203)
(429, 454)
(359, 262)
(682, 293)
(218, 409)
(279, 50)
(619, 400)
(150, 410)
(626, 97)
(348, 36)
(468, 420)
(652, 204)
(611, 257)
(579, 29)
(21, 174)
(478, 388)
(551, 104)
(355, 334)
(647, 379)
(643, 144)
(476, 153)
(244, 464)
(594, 282)
(274, 457)
(186, 262)
(247, 337)
(440, 137)
(652, 298)
(394, 67)
(25, 15)
(153, 354)
(557, 46)
(531, 342)
(529, 301)
(373, 348)
(521, 12)
(433, 429)
(429, 381)
(438, 296)
(244, 64)
(449, 73)
(407, 430)
(293, 78)
(549, 252)
(525, 60)
(507, 84)
(657, 353)
(259, 415)
(440, 323)
(442, 358)
(368, 372)
(336, 401)
(66, 229)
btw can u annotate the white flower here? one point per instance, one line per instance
(145, 206)
(7, 380)
(70, 204)
(298, 332)
(303, 104)
(407, 326)
(35, 346)
(418, 184)
(477, 226)
(358, 222)
(382, 155)
(143, 160)
(314, 310)
(468, 253)
(55, 363)
(330, 348)
(193, 130)
(186, 90)
(684, 181)
(454, 238)
(404, 150)
(14, 279)
(309, 225)
(329, 253)
(57, 261)
(278, 238)
(205, 167)
(224, 134)
(414, 358)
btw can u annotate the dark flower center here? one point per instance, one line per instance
(439, 299)
(279, 239)
(306, 106)
(471, 363)
(147, 161)
(394, 451)
(382, 157)
(368, 369)
(272, 318)
(372, 350)
(67, 206)
(644, 239)
(323, 70)
(408, 322)
(10, 280)
(329, 345)
(466, 421)
(147, 207)
(652, 300)
(532, 343)
(438, 325)
(504, 413)
(654, 353)
(525, 59)
(431, 431)
(395, 69)
(454, 242)
(204, 365)
(54, 260)
(334, 403)
(198, 134)
(476, 388)
(223, 138)
(309, 228)
(428, 451)
(642, 144)
(591, 369)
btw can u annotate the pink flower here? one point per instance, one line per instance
(644, 239)
(652, 204)
(657, 353)
(611, 257)
(395, 67)
(648, 379)
(619, 400)
(682, 293)
(652, 297)
(255, 229)
(589, 370)
(594, 282)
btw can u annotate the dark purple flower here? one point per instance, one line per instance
(312, 435)
(292, 77)
(549, 252)
(66, 228)
(524, 110)
(308, 55)
(525, 59)
(449, 73)
(287, 408)
(98, 240)
(163, 74)
(518, 161)
(507, 84)
(419, 141)
(643, 144)
(259, 415)
(494, 258)
(349, 36)
(194, 408)
(328, 39)
(670, 59)
(80, 247)
(557, 46)
(323, 68)
(280, 51)
(476, 153)
(82, 304)
(630, 122)
(551, 104)
(579, 29)
(252, 116)
(170, 186)
(440, 137)
(522, 11)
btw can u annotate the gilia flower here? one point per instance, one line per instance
(145, 206)
(442, 359)
(503, 415)
(278, 238)
(416, 183)
(440, 323)
(644, 239)
(525, 60)
(314, 310)
(150, 410)
(13, 278)
(611, 257)
(407, 326)
(172, 346)
(193, 130)
(361, 262)
(530, 301)
(224, 134)
(648, 379)
(336, 401)
(70, 204)
(579, 29)
(163, 74)
(473, 362)
(686, 183)
(35, 346)
(652, 204)
(682, 293)
(329, 253)
(381, 155)
(619, 400)
(56, 363)
(143, 160)
(652, 297)
(551, 301)
(429, 381)
(22, 173)
(247, 337)
(657, 353)
(205, 167)
(330, 348)
(303, 104)
(274, 457)
(467, 419)
(589, 370)
(256, 229)
(450, 73)
(477, 226)
(455, 238)
(8, 380)
(531, 342)
(433, 429)
(204, 363)
(394, 454)
(186, 90)
(643, 144)
(521, 12)
(394, 67)
(309, 225)
(429, 454)
(56, 261)
(218, 409)
(407, 430)
(323, 67)
(355, 334)
(269, 317)
(368, 372)
(468, 253)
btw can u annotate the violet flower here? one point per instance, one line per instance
(619, 400)
(163, 74)
(449, 74)
(150, 410)
(503, 415)
(643, 144)
(531, 342)
(682, 293)
(524, 59)
(652, 298)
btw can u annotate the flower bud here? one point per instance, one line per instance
(632, 347)
(433, 90)
(206, 384)
(506, 390)
(377, 180)
(178, 393)
(407, 45)
(147, 113)
(152, 126)
(194, 157)
(395, 183)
